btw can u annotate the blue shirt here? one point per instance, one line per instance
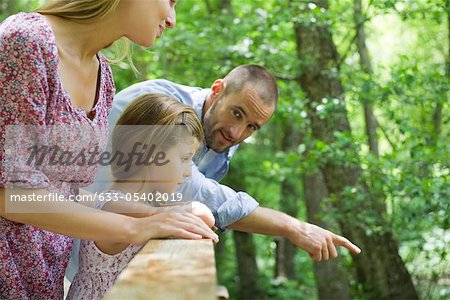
(210, 167)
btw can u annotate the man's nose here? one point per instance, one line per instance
(237, 131)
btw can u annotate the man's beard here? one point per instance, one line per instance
(209, 134)
(209, 139)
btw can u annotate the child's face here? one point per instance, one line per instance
(167, 178)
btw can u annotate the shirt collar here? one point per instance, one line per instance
(198, 100)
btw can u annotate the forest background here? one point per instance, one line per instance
(359, 143)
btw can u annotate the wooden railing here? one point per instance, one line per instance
(169, 270)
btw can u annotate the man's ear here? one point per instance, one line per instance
(217, 87)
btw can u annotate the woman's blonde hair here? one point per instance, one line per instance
(172, 123)
(79, 10)
(87, 11)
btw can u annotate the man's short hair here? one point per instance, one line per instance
(255, 76)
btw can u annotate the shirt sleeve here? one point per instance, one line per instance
(23, 101)
(227, 205)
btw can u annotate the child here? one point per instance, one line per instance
(175, 135)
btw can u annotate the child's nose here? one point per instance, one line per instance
(187, 172)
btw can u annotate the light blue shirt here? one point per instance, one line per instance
(210, 167)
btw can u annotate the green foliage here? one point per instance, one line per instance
(9, 7)
(412, 172)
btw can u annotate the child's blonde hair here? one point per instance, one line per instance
(172, 123)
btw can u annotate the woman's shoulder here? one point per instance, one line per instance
(27, 29)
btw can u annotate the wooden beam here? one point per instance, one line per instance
(169, 269)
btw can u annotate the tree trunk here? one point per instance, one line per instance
(437, 115)
(290, 194)
(447, 8)
(218, 6)
(369, 117)
(248, 273)
(285, 258)
(247, 268)
(225, 5)
(220, 256)
(331, 277)
(379, 267)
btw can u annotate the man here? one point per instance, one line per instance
(233, 109)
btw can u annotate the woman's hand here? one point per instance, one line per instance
(176, 224)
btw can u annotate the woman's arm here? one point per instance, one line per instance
(78, 221)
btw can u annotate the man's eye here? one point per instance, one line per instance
(252, 127)
(236, 114)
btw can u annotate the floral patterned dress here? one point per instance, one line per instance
(33, 261)
(97, 270)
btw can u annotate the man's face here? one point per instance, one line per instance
(234, 117)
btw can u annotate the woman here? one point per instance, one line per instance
(51, 73)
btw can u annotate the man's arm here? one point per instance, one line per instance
(227, 205)
(318, 242)
(239, 211)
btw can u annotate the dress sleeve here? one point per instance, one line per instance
(24, 94)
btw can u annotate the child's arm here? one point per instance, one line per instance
(127, 208)
(133, 209)
(141, 210)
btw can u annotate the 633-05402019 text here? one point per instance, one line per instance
(139, 197)
(106, 196)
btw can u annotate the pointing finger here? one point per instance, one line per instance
(342, 241)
